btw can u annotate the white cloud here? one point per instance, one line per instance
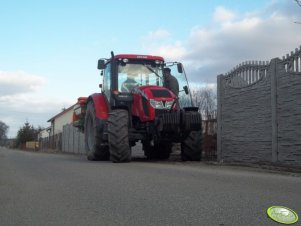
(172, 52)
(246, 25)
(31, 104)
(160, 42)
(16, 82)
(222, 15)
(158, 34)
(230, 39)
(21, 101)
(25, 107)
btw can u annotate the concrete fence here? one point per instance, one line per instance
(52, 142)
(72, 140)
(259, 111)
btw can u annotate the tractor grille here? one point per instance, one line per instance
(160, 93)
(169, 121)
(160, 112)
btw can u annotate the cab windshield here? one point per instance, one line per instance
(138, 73)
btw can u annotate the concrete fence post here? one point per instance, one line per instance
(64, 140)
(273, 74)
(219, 118)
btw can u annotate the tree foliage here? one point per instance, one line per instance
(27, 133)
(205, 99)
(3, 130)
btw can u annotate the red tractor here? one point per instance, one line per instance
(114, 120)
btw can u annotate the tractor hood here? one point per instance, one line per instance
(155, 92)
(149, 99)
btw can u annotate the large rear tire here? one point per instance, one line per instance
(191, 146)
(118, 135)
(96, 149)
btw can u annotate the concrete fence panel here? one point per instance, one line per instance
(73, 140)
(259, 112)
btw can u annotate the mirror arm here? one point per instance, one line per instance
(173, 104)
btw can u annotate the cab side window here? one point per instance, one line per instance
(107, 81)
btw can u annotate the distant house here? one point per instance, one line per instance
(44, 133)
(59, 120)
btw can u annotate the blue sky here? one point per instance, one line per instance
(49, 49)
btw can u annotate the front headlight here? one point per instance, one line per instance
(156, 104)
(168, 104)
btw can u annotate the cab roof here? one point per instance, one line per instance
(138, 56)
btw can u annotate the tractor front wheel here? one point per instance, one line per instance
(118, 135)
(96, 148)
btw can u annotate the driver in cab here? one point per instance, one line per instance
(129, 84)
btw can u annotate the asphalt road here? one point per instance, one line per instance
(61, 189)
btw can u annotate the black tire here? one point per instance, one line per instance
(118, 135)
(159, 151)
(96, 149)
(191, 146)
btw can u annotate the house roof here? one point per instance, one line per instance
(61, 113)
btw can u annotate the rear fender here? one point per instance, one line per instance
(101, 105)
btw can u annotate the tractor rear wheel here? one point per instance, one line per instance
(159, 151)
(118, 135)
(95, 146)
(191, 146)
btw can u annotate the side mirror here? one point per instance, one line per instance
(180, 68)
(186, 89)
(101, 64)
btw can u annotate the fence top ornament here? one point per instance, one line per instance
(292, 62)
(293, 54)
(249, 65)
(249, 73)
(246, 74)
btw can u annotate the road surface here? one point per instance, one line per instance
(64, 189)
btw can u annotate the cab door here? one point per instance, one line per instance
(177, 70)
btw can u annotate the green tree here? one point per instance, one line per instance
(27, 133)
(3, 130)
